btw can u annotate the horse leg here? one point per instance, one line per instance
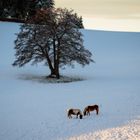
(97, 111)
(70, 116)
(77, 114)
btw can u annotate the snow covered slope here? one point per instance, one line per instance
(31, 109)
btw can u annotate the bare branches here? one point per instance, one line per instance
(52, 36)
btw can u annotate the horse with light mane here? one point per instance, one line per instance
(90, 108)
(76, 112)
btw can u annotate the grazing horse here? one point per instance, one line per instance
(90, 108)
(76, 112)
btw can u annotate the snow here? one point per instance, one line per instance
(34, 110)
(130, 131)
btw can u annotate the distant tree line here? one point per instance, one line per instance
(22, 9)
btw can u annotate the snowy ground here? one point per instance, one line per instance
(31, 109)
(131, 131)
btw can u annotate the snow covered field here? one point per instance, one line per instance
(32, 109)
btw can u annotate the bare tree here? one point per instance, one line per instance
(52, 36)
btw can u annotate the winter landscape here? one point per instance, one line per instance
(33, 109)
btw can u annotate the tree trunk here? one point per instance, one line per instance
(54, 68)
(57, 60)
(57, 72)
(54, 74)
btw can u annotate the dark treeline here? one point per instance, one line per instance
(22, 9)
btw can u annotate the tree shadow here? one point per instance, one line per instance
(46, 79)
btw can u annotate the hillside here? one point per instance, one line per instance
(31, 109)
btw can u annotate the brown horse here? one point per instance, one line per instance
(76, 112)
(90, 108)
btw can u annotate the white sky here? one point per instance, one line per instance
(120, 15)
